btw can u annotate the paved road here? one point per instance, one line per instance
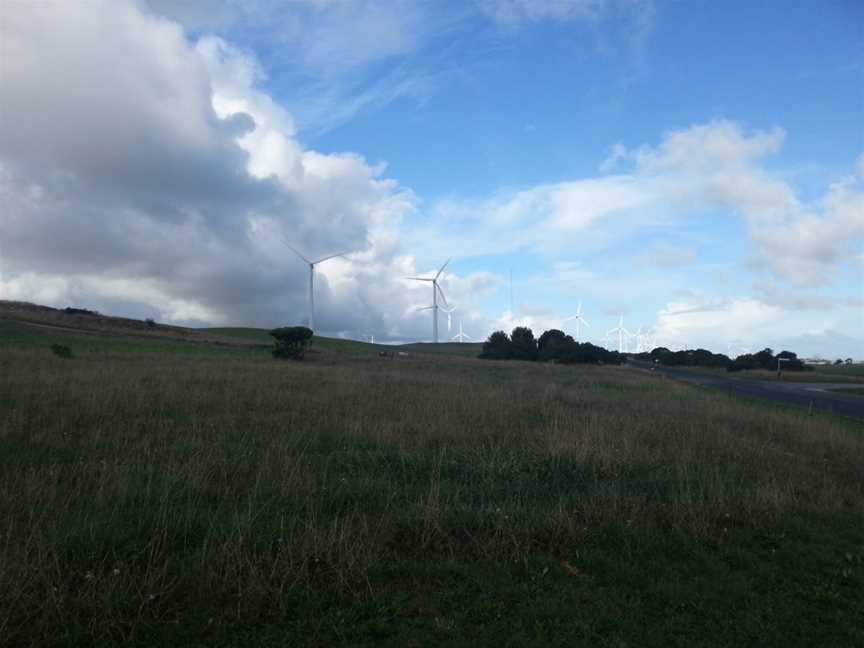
(808, 395)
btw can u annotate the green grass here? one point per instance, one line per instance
(854, 391)
(820, 374)
(167, 493)
(444, 348)
(466, 349)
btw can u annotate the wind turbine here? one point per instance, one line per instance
(449, 317)
(460, 335)
(641, 339)
(312, 265)
(579, 319)
(621, 332)
(436, 290)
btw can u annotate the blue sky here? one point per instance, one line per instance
(696, 167)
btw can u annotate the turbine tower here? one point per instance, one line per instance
(312, 265)
(449, 317)
(436, 290)
(579, 319)
(621, 332)
(460, 335)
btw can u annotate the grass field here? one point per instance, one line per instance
(159, 492)
(853, 374)
(855, 391)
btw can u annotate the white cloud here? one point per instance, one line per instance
(164, 181)
(514, 12)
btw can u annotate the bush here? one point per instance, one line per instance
(523, 344)
(291, 342)
(687, 358)
(497, 347)
(553, 345)
(61, 351)
(150, 322)
(586, 353)
(550, 344)
(79, 311)
(766, 359)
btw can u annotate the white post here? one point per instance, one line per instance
(435, 311)
(312, 296)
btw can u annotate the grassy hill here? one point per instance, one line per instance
(165, 491)
(443, 348)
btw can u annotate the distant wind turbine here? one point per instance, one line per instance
(461, 336)
(579, 319)
(449, 317)
(621, 332)
(436, 290)
(312, 265)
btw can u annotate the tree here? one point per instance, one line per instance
(549, 344)
(765, 359)
(523, 343)
(291, 341)
(497, 347)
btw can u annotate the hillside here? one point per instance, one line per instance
(158, 492)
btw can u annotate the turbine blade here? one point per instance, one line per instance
(332, 256)
(441, 292)
(419, 278)
(294, 250)
(443, 266)
(584, 321)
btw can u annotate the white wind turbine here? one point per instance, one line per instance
(449, 316)
(641, 340)
(461, 336)
(312, 265)
(436, 290)
(579, 319)
(621, 332)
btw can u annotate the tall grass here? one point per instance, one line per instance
(237, 500)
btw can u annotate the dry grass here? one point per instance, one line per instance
(201, 498)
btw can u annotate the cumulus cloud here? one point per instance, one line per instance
(707, 168)
(743, 324)
(717, 165)
(142, 170)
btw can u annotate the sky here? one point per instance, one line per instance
(696, 168)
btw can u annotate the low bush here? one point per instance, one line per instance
(61, 351)
(291, 342)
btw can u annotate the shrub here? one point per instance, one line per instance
(523, 344)
(550, 344)
(586, 353)
(79, 311)
(497, 347)
(61, 351)
(150, 322)
(291, 341)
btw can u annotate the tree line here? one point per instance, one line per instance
(557, 346)
(553, 345)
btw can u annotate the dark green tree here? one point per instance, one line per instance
(291, 341)
(549, 344)
(523, 343)
(497, 347)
